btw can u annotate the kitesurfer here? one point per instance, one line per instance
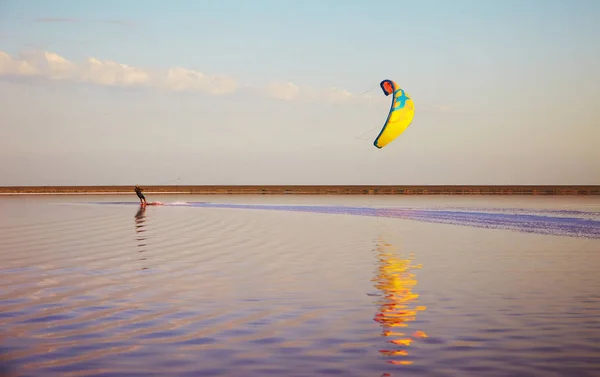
(138, 191)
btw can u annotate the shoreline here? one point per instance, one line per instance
(546, 190)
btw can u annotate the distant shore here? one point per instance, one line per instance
(310, 190)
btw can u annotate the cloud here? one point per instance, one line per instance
(51, 66)
(182, 79)
(48, 65)
(288, 91)
(12, 67)
(78, 20)
(55, 19)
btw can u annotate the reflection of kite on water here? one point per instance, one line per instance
(402, 111)
(398, 306)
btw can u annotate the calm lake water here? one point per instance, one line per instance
(93, 286)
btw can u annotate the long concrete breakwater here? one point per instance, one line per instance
(313, 189)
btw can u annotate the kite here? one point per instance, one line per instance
(400, 116)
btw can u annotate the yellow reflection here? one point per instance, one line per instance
(398, 304)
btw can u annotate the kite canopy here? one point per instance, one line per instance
(401, 114)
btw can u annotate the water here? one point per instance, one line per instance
(283, 290)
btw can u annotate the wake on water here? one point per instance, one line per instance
(569, 223)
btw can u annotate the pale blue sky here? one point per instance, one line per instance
(506, 92)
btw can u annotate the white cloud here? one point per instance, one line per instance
(182, 79)
(109, 73)
(291, 92)
(52, 66)
(10, 66)
(78, 20)
(284, 91)
(339, 95)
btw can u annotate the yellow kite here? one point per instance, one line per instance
(401, 114)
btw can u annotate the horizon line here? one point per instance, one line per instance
(307, 189)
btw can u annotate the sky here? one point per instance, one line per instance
(287, 92)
